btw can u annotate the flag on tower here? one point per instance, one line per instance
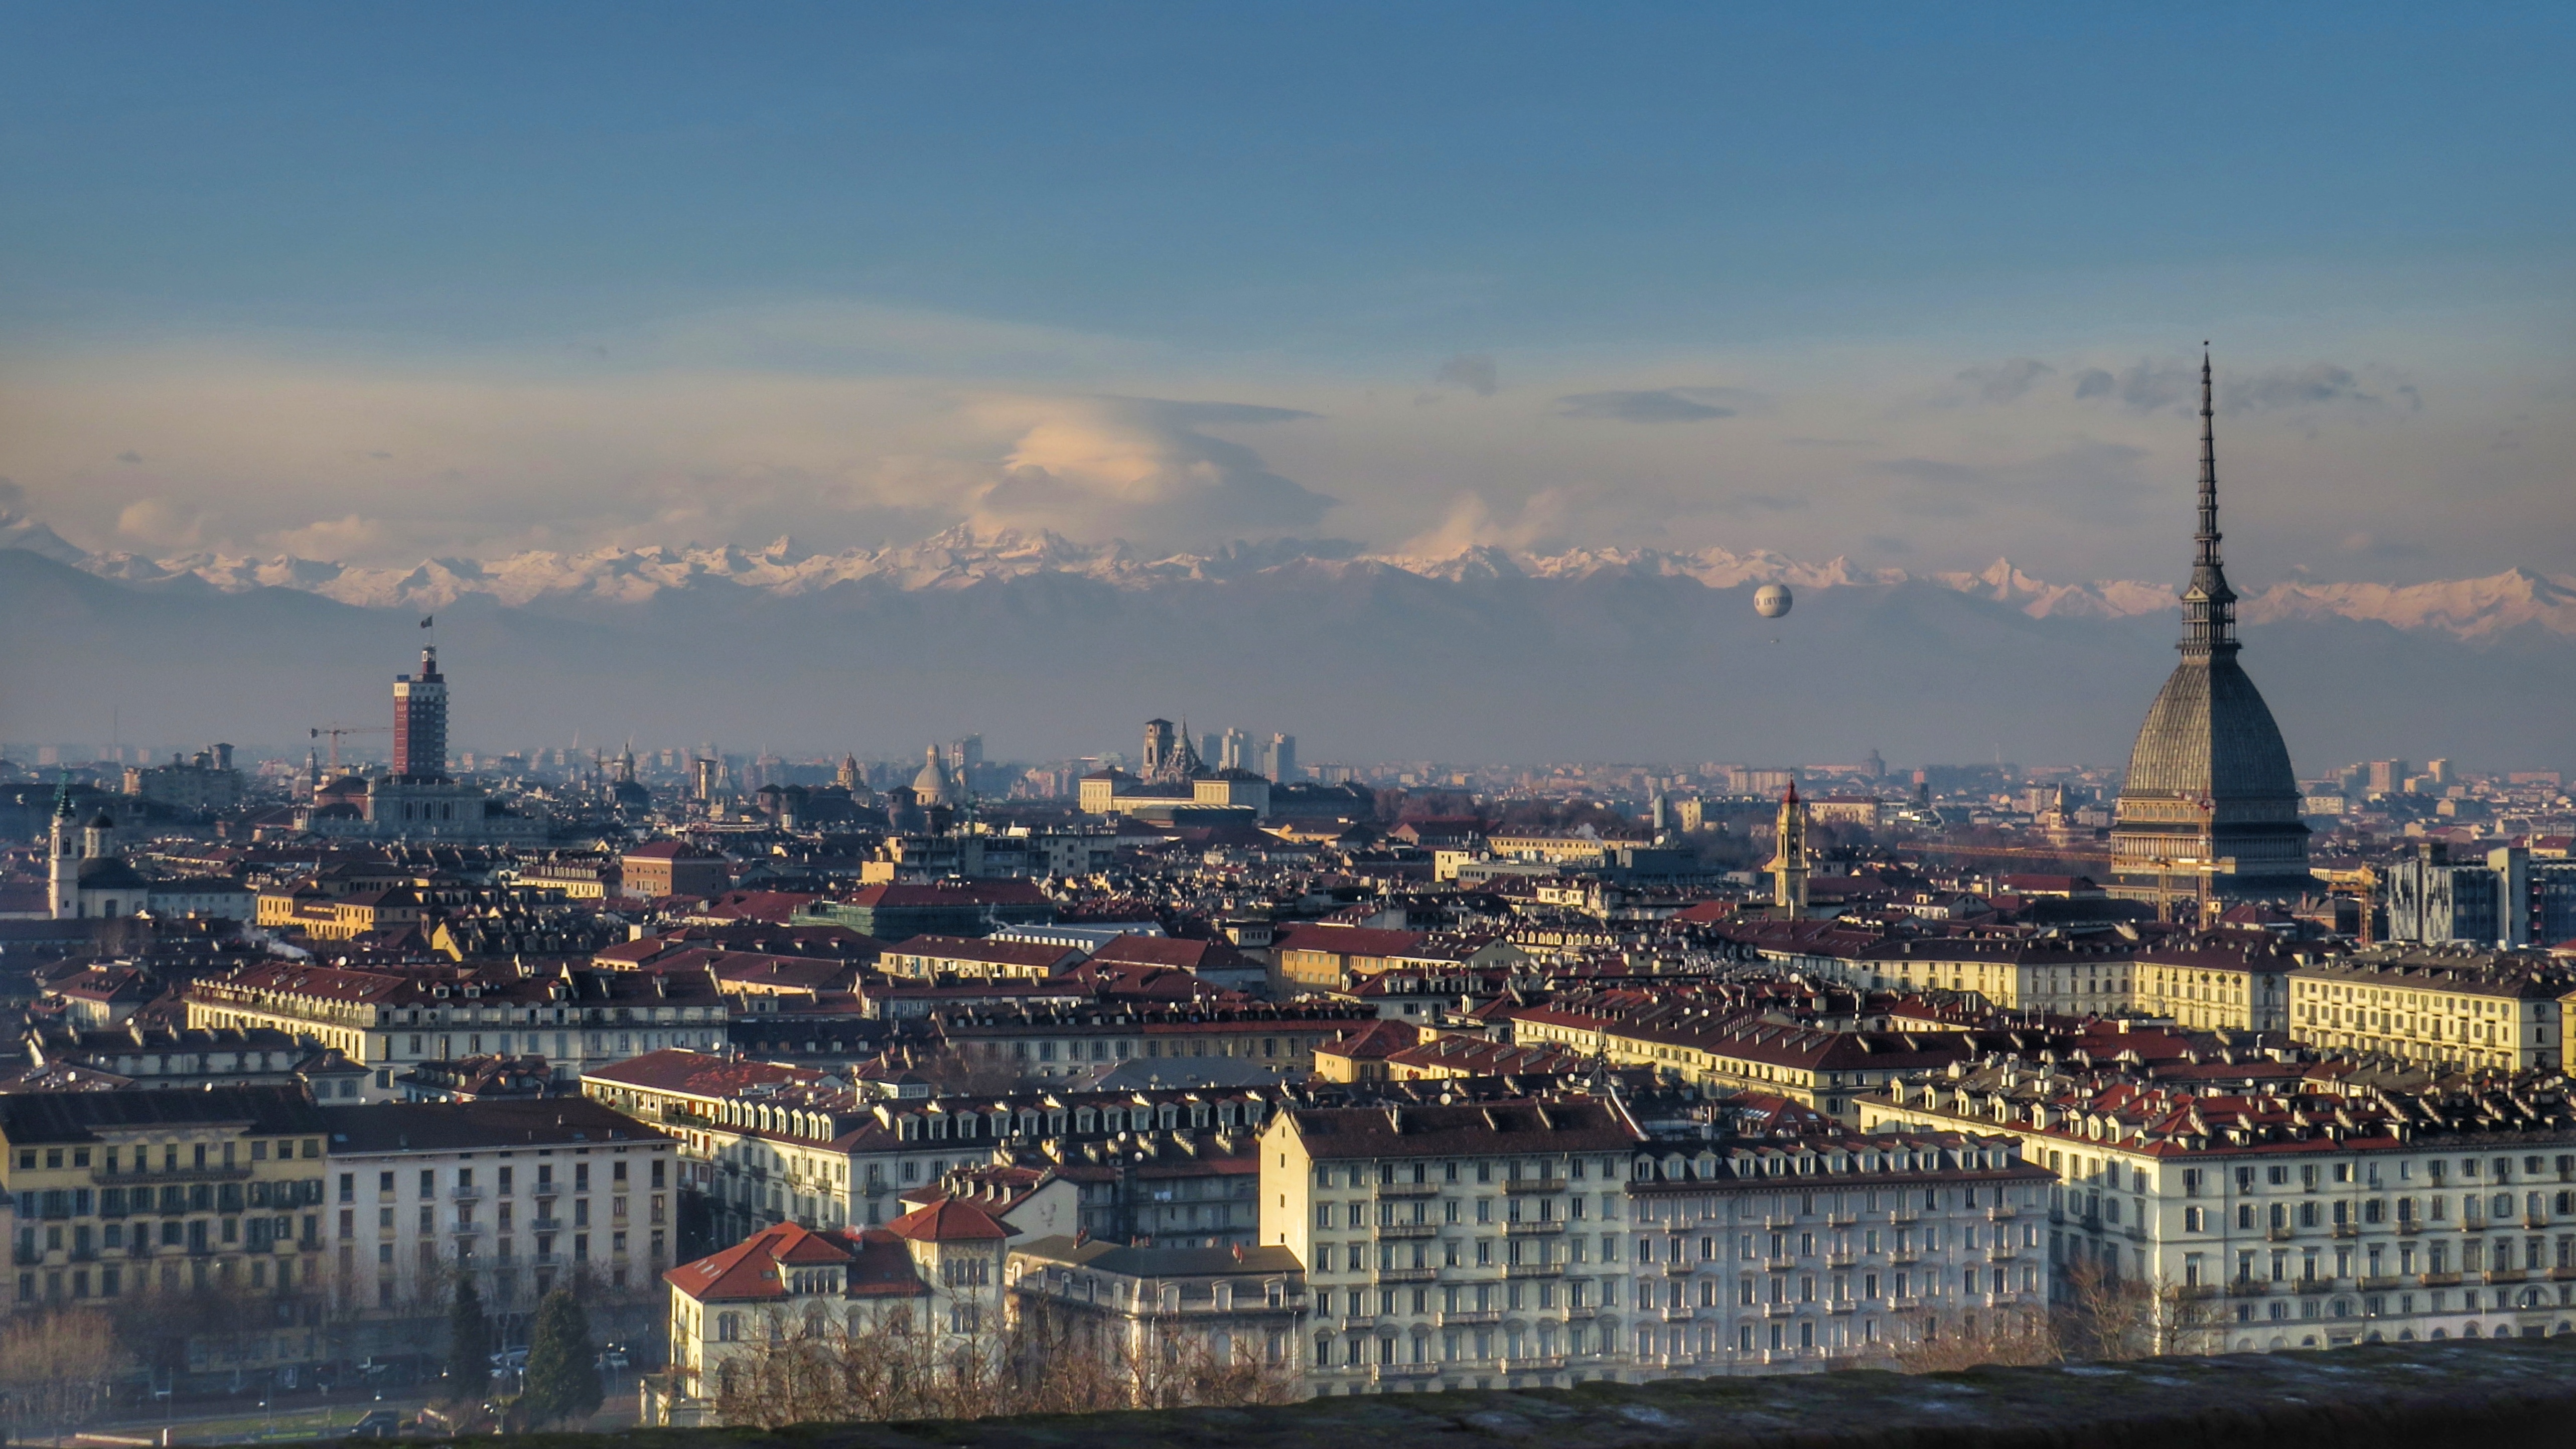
(425, 618)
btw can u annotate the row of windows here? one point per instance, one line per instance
(173, 1157)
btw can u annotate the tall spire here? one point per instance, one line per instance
(2209, 605)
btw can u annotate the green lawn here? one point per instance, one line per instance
(283, 1426)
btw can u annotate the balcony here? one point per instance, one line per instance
(2280, 1235)
(2001, 1255)
(1841, 1260)
(1524, 1185)
(2380, 1284)
(170, 1175)
(1405, 1370)
(466, 1230)
(1535, 1270)
(2248, 1288)
(1408, 1189)
(2441, 1280)
(1412, 1230)
(1526, 1230)
(2002, 1210)
(2506, 1275)
(2347, 1230)
(1407, 1275)
(1547, 1365)
(1842, 1219)
(546, 1225)
(1470, 1317)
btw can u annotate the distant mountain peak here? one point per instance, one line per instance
(965, 557)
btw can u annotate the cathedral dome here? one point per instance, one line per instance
(930, 787)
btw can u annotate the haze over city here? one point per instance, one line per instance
(729, 717)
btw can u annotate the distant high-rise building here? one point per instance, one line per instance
(1234, 751)
(2387, 777)
(420, 721)
(2210, 799)
(1283, 760)
(965, 756)
(2440, 770)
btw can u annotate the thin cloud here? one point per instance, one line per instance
(2309, 385)
(2006, 381)
(1657, 405)
(1473, 371)
(2091, 481)
(2141, 387)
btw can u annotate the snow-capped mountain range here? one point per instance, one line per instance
(961, 558)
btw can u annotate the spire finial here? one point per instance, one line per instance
(2209, 605)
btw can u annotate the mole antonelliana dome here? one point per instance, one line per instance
(2210, 789)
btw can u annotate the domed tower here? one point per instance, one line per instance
(2210, 795)
(930, 787)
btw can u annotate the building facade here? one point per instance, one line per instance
(520, 1196)
(2457, 1007)
(124, 1193)
(1546, 1243)
(2259, 1222)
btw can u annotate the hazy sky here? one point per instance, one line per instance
(1922, 285)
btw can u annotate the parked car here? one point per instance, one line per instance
(378, 1424)
(509, 1359)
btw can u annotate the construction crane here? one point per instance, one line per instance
(336, 731)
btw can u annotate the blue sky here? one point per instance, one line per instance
(588, 274)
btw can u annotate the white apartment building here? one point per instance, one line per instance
(391, 1021)
(1545, 1243)
(2306, 1220)
(523, 1195)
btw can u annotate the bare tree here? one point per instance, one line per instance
(56, 1366)
(2111, 1317)
(888, 1368)
(1928, 1344)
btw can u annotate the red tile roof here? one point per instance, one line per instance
(699, 1074)
(949, 1221)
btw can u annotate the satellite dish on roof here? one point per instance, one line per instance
(1772, 600)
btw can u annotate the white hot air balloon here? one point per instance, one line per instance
(1772, 600)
